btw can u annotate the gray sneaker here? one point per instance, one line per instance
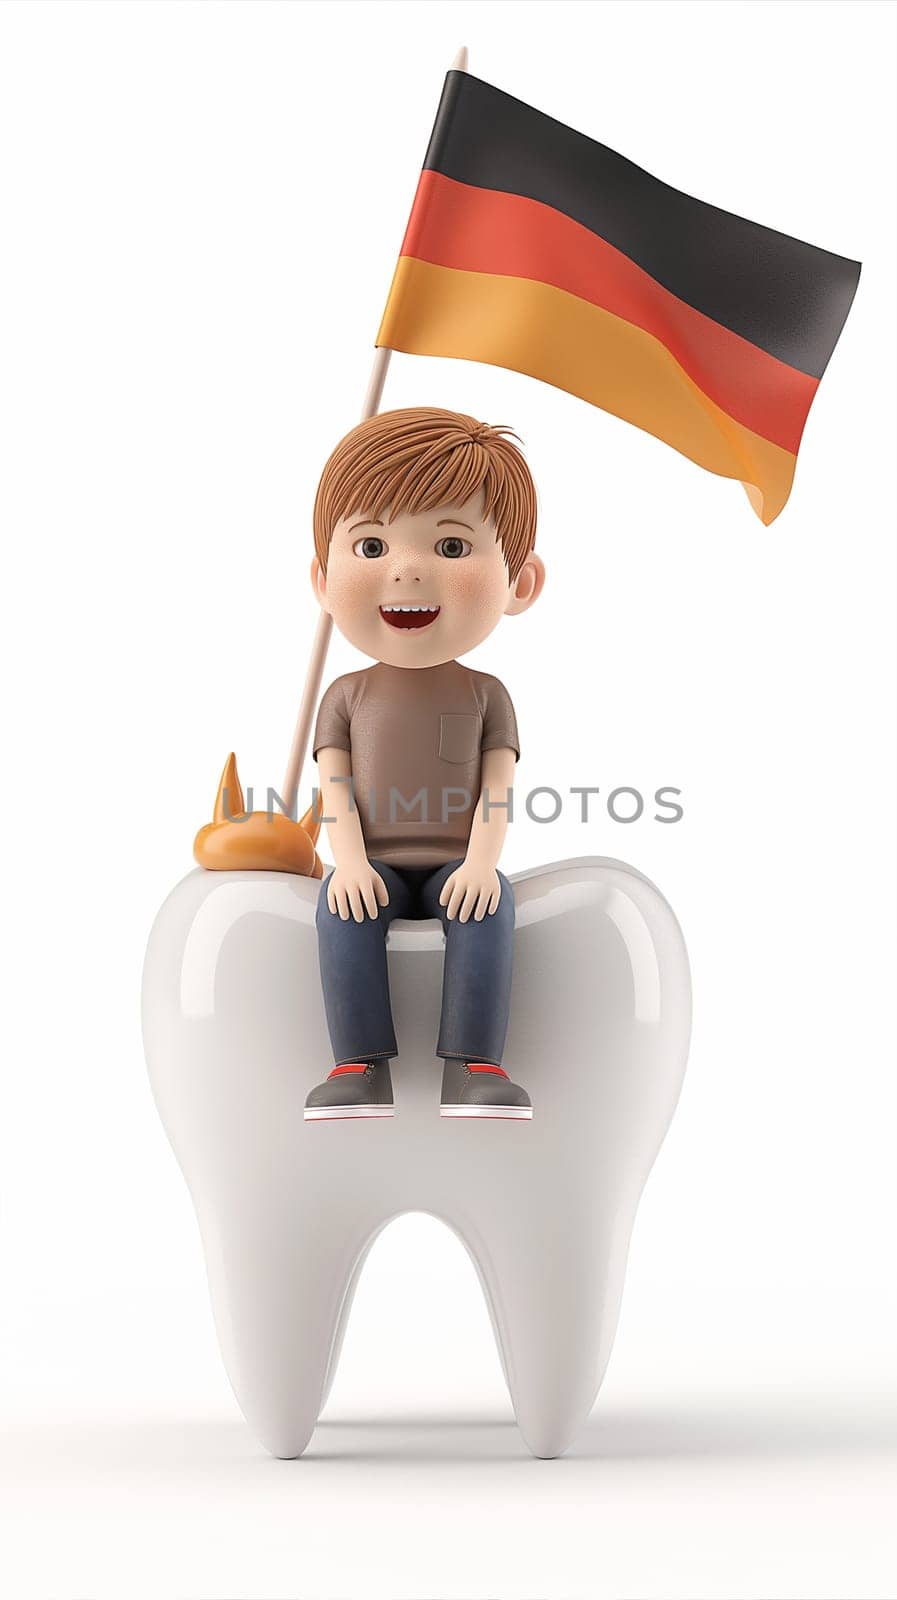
(482, 1089)
(354, 1089)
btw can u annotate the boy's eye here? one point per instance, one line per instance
(452, 547)
(370, 547)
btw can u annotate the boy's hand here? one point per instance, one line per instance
(471, 887)
(354, 890)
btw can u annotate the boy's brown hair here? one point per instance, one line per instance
(419, 459)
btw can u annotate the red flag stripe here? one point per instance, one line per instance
(455, 225)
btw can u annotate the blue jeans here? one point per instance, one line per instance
(476, 983)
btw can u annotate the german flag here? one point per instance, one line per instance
(532, 247)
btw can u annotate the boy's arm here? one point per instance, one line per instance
(342, 820)
(474, 887)
(490, 821)
(354, 887)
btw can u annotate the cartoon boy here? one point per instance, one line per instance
(424, 528)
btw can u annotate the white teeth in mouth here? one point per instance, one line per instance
(409, 608)
(288, 1209)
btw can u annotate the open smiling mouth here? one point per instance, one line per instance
(409, 616)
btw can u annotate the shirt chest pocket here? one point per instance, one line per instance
(460, 734)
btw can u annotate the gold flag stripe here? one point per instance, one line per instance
(547, 333)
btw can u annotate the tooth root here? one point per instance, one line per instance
(343, 1323)
(278, 1300)
(553, 1285)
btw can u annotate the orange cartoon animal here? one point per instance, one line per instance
(237, 840)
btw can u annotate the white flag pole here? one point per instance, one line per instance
(315, 671)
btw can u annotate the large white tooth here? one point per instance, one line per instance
(235, 1037)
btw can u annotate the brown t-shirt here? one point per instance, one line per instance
(415, 735)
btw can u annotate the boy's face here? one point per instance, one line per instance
(446, 563)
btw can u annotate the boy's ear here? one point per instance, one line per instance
(527, 586)
(319, 583)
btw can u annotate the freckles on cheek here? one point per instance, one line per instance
(355, 586)
(473, 590)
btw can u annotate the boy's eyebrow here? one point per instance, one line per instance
(366, 522)
(453, 521)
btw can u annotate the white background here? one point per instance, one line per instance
(201, 207)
